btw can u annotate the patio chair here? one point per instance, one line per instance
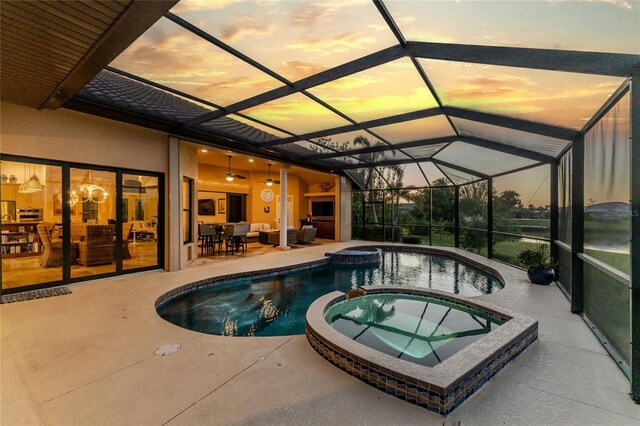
(236, 237)
(306, 235)
(52, 250)
(97, 248)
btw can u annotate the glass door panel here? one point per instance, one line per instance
(140, 221)
(93, 222)
(30, 246)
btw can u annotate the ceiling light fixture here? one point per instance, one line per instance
(269, 181)
(229, 176)
(32, 185)
(88, 189)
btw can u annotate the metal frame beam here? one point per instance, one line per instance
(635, 238)
(507, 149)
(610, 103)
(378, 58)
(611, 64)
(456, 216)
(483, 143)
(468, 114)
(383, 148)
(534, 127)
(408, 161)
(457, 167)
(554, 213)
(490, 218)
(395, 119)
(577, 226)
(519, 169)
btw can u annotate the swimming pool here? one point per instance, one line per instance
(276, 304)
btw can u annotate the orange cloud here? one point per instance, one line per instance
(233, 33)
(295, 70)
(336, 44)
(185, 6)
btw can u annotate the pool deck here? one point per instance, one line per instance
(88, 358)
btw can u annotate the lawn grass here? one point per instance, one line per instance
(619, 261)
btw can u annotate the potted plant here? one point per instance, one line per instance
(537, 262)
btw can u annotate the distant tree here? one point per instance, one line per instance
(473, 214)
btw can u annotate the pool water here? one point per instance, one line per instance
(276, 305)
(419, 329)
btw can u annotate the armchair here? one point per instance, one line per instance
(306, 235)
(274, 237)
(97, 247)
(52, 250)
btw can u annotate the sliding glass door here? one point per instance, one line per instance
(64, 222)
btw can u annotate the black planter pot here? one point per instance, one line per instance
(541, 275)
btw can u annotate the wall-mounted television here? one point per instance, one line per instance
(206, 207)
(322, 209)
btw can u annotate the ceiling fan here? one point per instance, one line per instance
(230, 176)
(269, 181)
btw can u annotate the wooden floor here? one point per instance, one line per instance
(24, 271)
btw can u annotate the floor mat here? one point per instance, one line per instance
(34, 294)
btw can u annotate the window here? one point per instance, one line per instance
(187, 212)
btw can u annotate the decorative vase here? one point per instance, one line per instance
(13, 179)
(541, 275)
(4, 178)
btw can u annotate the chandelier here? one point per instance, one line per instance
(93, 193)
(73, 198)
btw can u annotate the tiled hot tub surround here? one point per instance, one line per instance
(441, 388)
(355, 256)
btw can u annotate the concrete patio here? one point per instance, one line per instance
(88, 358)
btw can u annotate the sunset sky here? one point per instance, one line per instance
(300, 38)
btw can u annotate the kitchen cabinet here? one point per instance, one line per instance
(9, 191)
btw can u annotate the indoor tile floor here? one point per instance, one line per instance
(88, 358)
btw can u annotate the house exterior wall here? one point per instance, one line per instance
(65, 135)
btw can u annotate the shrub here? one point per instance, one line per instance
(534, 257)
(412, 239)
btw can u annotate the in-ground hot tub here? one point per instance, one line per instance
(430, 348)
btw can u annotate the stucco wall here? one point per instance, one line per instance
(72, 136)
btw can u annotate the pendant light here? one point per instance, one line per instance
(32, 185)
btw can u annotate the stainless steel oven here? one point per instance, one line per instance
(29, 215)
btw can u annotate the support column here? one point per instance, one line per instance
(577, 225)
(456, 213)
(635, 238)
(345, 209)
(175, 184)
(490, 218)
(553, 213)
(283, 208)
